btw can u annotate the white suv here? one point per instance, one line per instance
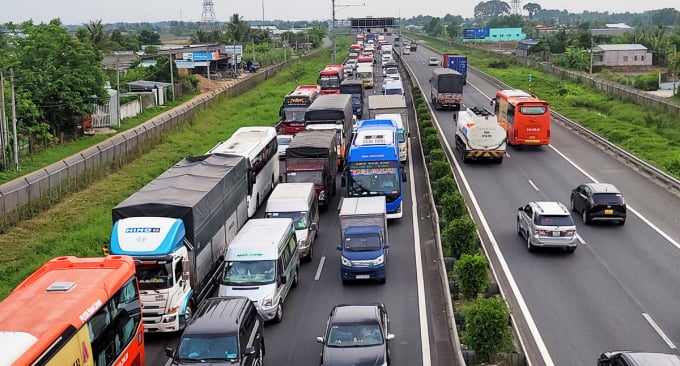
(546, 224)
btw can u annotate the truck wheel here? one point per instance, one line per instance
(260, 356)
(188, 313)
(279, 313)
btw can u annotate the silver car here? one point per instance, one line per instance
(546, 224)
(283, 141)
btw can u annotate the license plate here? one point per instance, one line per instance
(608, 212)
(363, 277)
(556, 233)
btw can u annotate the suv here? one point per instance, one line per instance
(599, 202)
(546, 224)
(356, 335)
(630, 358)
(224, 330)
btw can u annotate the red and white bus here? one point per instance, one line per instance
(330, 78)
(526, 118)
(74, 311)
(294, 107)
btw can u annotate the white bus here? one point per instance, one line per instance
(259, 145)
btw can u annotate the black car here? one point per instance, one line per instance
(631, 358)
(599, 202)
(356, 335)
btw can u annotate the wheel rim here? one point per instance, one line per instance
(528, 242)
(279, 312)
(584, 216)
(572, 205)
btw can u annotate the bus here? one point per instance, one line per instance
(259, 145)
(294, 106)
(74, 311)
(526, 118)
(373, 166)
(330, 78)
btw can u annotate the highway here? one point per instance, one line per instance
(617, 291)
(293, 341)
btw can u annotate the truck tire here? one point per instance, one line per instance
(296, 279)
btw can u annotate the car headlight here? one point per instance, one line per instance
(267, 301)
(322, 195)
(345, 261)
(301, 242)
(379, 260)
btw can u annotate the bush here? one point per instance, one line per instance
(647, 82)
(439, 169)
(427, 131)
(445, 185)
(430, 141)
(424, 122)
(422, 110)
(453, 206)
(437, 154)
(461, 235)
(499, 64)
(487, 330)
(472, 274)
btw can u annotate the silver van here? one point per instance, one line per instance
(298, 202)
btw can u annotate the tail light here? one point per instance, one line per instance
(540, 232)
(548, 133)
(515, 135)
(569, 232)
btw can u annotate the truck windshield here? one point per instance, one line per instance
(299, 218)
(295, 114)
(200, 347)
(312, 176)
(362, 242)
(249, 273)
(154, 276)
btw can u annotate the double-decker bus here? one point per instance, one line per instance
(294, 107)
(330, 78)
(373, 167)
(259, 145)
(74, 311)
(526, 118)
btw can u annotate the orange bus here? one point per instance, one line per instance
(74, 311)
(526, 118)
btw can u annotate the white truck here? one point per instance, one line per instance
(479, 136)
(363, 240)
(177, 229)
(392, 107)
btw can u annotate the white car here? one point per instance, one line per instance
(433, 61)
(283, 141)
(406, 50)
(391, 73)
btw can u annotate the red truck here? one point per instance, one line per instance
(330, 78)
(312, 157)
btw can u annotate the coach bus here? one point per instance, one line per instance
(74, 311)
(526, 118)
(294, 107)
(373, 166)
(259, 145)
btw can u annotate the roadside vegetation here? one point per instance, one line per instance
(649, 135)
(81, 224)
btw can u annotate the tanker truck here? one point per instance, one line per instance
(479, 136)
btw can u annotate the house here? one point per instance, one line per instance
(612, 55)
(524, 47)
(612, 30)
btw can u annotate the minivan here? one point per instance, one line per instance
(223, 331)
(401, 133)
(298, 202)
(262, 263)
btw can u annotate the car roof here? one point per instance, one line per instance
(355, 313)
(603, 188)
(217, 315)
(551, 208)
(650, 358)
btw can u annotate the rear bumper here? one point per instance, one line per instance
(550, 242)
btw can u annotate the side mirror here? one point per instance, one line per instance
(390, 336)
(185, 270)
(249, 351)
(319, 339)
(492, 101)
(520, 209)
(339, 247)
(284, 279)
(168, 352)
(386, 246)
(314, 226)
(403, 176)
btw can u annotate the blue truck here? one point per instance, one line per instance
(363, 246)
(456, 62)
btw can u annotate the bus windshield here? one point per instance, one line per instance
(299, 218)
(295, 114)
(371, 178)
(249, 273)
(329, 81)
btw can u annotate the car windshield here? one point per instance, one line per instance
(354, 335)
(554, 220)
(154, 276)
(299, 218)
(608, 199)
(284, 140)
(249, 273)
(362, 242)
(208, 347)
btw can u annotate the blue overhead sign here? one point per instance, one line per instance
(476, 33)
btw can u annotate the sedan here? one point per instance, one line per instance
(283, 141)
(433, 61)
(599, 202)
(356, 335)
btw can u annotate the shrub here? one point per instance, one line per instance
(427, 131)
(437, 154)
(472, 274)
(461, 235)
(453, 206)
(499, 64)
(487, 330)
(422, 110)
(649, 81)
(439, 169)
(424, 122)
(445, 185)
(430, 141)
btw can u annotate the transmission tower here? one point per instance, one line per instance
(516, 7)
(208, 15)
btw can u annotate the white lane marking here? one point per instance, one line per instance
(504, 265)
(628, 207)
(507, 154)
(319, 269)
(422, 309)
(658, 330)
(580, 239)
(168, 362)
(533, 185)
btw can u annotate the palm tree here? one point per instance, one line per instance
(97, 35)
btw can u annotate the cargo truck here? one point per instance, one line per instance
(479, 136)
(177, 229)
(446, 88)
(312, 157)
(363, 244)
(456, 62)
(354, 88)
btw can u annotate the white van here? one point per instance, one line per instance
(298, 202)
(262, 263)
(401, 134)
(365, 74)
(393, 87)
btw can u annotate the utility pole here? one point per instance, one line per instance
(172, 73)
(3, 121)
(14, 120)
(591, 54)
(333, 29)
(118, 90)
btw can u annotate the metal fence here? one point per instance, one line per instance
(27, 195)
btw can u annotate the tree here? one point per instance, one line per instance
(486, 327)
(435, 27)
(532, 8)
(472, 273)
(96, 35)
(148, 37)
(123, 42)
(237, 29)
(453, 30)
(202, 36)
(489, 9)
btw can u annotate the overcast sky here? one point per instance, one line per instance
(82, 11)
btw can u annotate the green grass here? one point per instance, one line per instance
(80, 225)
(651, 136)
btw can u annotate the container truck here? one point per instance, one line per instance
(456, 62)
(312, 157)
(363, 244)
(479, 136)
(177, 229)
(446, 88)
